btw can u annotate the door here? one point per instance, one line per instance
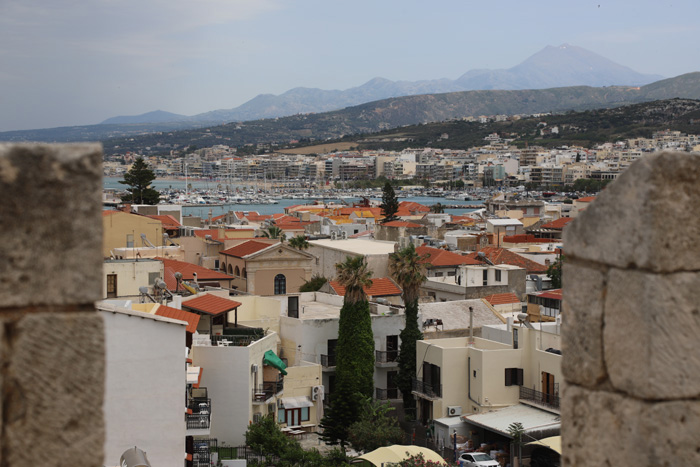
(392, 348)
(111, 286)
(547, 387)
(293, 306)
(391, 389)
(293, 417)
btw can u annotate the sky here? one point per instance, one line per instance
(79, 62)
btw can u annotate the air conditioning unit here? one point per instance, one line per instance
(254, 368)
(257, 417)
(317, 393)
(454, 410)
(344, 235)
(334, 235)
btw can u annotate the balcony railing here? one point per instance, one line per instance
(267, 389)
(382, 394)
(389, 356)
(432, 391)
(328, 361)
(550, 401)
(200, 417)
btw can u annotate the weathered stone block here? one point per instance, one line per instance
(602, 428)
(582, 324)
(645, 219)
(53, 390)
(652, 323)
(51, 253)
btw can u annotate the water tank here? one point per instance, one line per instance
(134, 457)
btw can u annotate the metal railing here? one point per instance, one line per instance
(432, 391)
(327, 361)
(382, 394)
(196, 421)
(267, 389)
(388, 356)
(540, 398)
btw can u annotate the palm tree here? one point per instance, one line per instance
(299, 242)
(354, 276)
(408, 269)
(274, 232)
(437, 208)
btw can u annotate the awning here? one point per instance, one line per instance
(533, 420)
(194, 375)
(553, 443)
(274, 361)
(296, 402)
(396, 453)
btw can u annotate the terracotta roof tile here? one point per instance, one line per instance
(211, 304)
(586, 199)
(439, 257)
(246, 248)
(413, 207)
(381, 286)
(557, 224)
(503, 256)
(202, 233)
(553, 293)
(167, 221)
(170, 312)
(502, 298)
(171, 266)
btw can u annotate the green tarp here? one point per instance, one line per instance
(274, 361)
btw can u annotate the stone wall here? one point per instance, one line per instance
(52, 340)
(631, 320)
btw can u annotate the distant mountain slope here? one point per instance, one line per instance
(370, 117)
(551, 67)
(157, 116)
(400, 111)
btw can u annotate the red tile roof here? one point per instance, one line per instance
(407, 224)
(211, 304)
(502, 298)
(463, 219)
(381, 286)
(527, 238)
(439, 257)
(557, 224)
(202, 233)
(171, 266)
(167, 221)
(586, 199)
(246, 248)
(109, 212)
(503, 256)
(170, 312)
(554, 294)
(413, 207)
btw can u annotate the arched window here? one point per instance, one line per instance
(230, 269)
(280, 284)
(238, 272)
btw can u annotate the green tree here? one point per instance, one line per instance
(437, 208)
(375, 427)
(408, 270)
(390, 203)
(354, 371)
(314, 284)
(139, 178)
(299, 242)
(516, 430)
(554, 272)
(274, 232)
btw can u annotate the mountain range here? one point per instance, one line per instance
(552, 67)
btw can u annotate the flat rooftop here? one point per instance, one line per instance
(357, 246)
(311, 309)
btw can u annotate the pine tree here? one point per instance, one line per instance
(390, 203)
(139, 179)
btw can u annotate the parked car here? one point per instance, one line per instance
(477, 459)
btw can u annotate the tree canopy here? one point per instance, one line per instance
(139, 178)
(299, 242)
(390, 202)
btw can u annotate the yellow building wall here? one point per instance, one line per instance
(298, 383)
(116, 227)
(255, 311)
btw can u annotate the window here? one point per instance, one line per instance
(280, 284)
(237, 272)
(485, 276)
(514, 376)
(515, 338)
(111, 285)
(129, 240)
(438, 274)
(293, 306)
(451, 273)
(498, 275)
(152, 276)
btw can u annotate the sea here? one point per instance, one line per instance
(203, 211)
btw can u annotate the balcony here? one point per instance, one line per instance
(328, 362)
(387, 358)
(426, 390)
(200, 417)
(382, 394)
(267, 390)
(539, 399)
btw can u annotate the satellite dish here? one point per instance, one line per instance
(178, 276)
